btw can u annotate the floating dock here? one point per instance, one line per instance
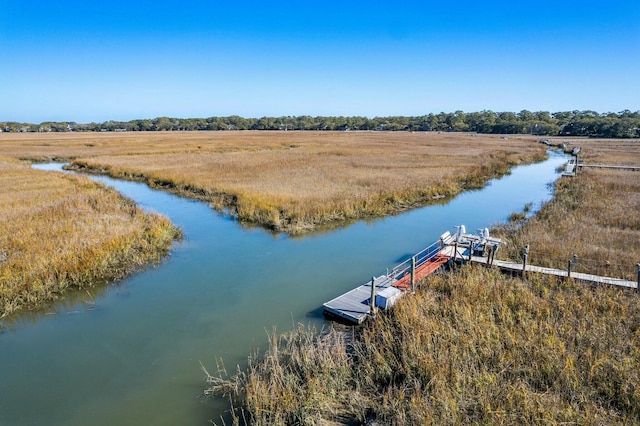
(382, 292)
(356, 305)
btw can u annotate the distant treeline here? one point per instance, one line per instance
(625, 124)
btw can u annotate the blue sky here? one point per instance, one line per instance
(89, 61)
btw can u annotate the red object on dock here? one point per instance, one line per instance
(422, 271)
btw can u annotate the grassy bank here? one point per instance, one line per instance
(294, 182)
(470, 347)
(59, 231)
(594, 215)
(315, 181)
(475, 346)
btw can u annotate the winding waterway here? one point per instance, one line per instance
(130, 353)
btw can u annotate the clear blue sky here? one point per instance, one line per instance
(95, 61)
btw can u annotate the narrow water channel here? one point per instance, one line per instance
(130, 353)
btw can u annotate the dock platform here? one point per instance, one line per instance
(355, 306)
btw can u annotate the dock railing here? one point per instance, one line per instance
(403, 269)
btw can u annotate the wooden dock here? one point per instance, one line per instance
(578, 276)
(513, 267)
(571, 168)
(610, 166)
(357, 305)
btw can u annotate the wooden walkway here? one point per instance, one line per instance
(571, 169)
(607, 166)
(578, 276)
(513, 267)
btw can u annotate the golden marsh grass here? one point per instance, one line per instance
(477, 347)
(473, 347)
(594, 215)
(293, 181)
(59, 231)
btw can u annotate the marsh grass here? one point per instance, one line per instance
(594, 215)
(478, 347)
(469, 347)
(294, 182)
(59, 231)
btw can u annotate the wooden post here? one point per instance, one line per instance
(488, 249)
(372, 305)
(638, 284)
(571, 264)
(470, 250)
(524, 260)
(455, 252)
(413, 274)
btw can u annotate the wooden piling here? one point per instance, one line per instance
(524, 259)
(455, 253)
(413, 274)
(572, 264)
(638, 284)
(372, 305)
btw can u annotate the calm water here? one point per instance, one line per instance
(130, 353)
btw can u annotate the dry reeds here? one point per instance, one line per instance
(59, 231)
(593, 215)
(470, 347)
(476, 347)
(292, 382)
(293, 181)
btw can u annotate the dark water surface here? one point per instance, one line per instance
(130, 353)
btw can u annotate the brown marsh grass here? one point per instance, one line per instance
(59, 231)
(595, 215)
(293, 181)
(477, 347)
(472, 347)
